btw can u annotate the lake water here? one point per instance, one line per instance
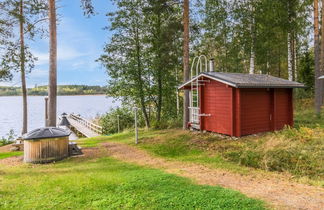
(11, 110)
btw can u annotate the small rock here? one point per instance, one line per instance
(13, 149)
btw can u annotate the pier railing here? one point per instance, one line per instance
(96, 128)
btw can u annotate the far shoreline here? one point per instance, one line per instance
(58, 95)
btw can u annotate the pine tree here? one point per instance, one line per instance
(186, 41)
(124, 57)
(52, 87)
(25, 15)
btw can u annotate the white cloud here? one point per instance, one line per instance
(38, 73)
(74, 44)
(78, 49)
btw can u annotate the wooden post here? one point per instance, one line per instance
(46, 111)
(136, 128)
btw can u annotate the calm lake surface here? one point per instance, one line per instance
(11, 110)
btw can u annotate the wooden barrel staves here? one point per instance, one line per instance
(45, 145)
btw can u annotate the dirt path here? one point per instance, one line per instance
(280, 193)
(5, 148)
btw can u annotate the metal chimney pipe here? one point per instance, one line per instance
(46, 111)
(211, 65)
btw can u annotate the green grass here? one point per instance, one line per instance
(104, 183)
(297, 151)
(305, 115)
(4, 155)
(95, 141)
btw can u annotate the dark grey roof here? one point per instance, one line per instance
(64, 121)
(240, 80)
(48, 132)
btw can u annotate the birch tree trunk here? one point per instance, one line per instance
(317, 60)
(52, 87)
(295, 59)
(252, 54)
(22, 67)
(290, 57)
(177, 93)
(186, 61)
(252, 63)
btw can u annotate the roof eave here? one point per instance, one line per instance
(203, 74)
(209, 77)
(273, 86)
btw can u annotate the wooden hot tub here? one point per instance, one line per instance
(46, 145)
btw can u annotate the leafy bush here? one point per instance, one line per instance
(109, 121)
(246, 158)
(281, 160)
(251, 158)
(295, 161)
(9, 139)
(167, 124)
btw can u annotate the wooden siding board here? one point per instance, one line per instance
(202, 110)
(238, 113)
(46, 150)
(274, 109)
(291, 107)
(233, 99)
(283, 108)
(256, 110)
(218, 103)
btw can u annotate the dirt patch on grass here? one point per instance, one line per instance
(12, 161)
(5, 148)
(282, 194)
(94, 152)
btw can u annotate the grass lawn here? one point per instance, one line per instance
(297, 151)
(104, 183)
(4, 155)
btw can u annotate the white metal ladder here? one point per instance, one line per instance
(194, 109)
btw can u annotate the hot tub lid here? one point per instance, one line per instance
(45, 133)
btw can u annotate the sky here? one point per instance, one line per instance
(80, 43)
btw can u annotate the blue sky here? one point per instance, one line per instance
(80, 43)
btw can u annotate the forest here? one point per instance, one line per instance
(62, 90)
(144, 55)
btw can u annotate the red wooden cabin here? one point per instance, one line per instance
(240, 104)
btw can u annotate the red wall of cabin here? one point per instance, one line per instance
(261, 110)
(244, 111)
(216, 100)
(283, 109)
(255, 110)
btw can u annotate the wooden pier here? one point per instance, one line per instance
(84, 126)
